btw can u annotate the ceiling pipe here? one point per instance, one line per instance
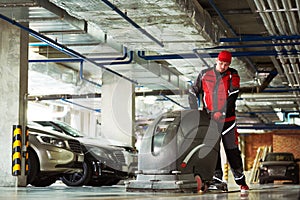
(62, 48)
(123, 62)
(55, 60)
(202, 59)
(276, 99)
(141, 54)
(270, 77)
(286, 115)
(272, 74)
(277, 18)
(85, 107)
(287, 62)
(260, 38)
(139, 28)
(112, 61)
(108, 63)
(222, 17)
(231, 29)
(291, 16)
(262, 96)
(123, 57)
(265, 17)
(63, 96)
(251, 45)
(292, 114)
(283, 30)
(83, 78)
(298, 10)
(173, 101)
(280, 90)
(268, 126)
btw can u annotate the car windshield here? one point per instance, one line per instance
(69, 129)
(279, 157)
(60, 127)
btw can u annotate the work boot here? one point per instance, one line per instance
(244, 188)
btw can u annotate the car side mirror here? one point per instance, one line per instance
(297, 160)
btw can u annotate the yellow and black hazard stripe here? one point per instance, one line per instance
(16, 150)
(26, 157)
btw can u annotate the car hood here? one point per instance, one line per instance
(272, 163)
(95, 142)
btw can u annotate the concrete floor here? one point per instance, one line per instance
(60, 191)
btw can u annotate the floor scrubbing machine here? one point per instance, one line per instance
(178, 153)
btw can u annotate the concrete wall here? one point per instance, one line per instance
(118, 109)
(13, 90)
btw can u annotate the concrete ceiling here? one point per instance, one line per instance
(160, 46)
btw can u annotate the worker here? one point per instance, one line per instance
(218, 87)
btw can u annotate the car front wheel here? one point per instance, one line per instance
(262, 181)
(78, 179)
(296, 180)
(33, 166)
(34, 177)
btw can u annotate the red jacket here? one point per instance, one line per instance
(220, 91)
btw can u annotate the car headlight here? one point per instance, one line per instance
(53, 141)
(263, 168)
(100, 153)
(291, 167)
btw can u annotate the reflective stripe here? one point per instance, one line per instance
(230, 128)
(239, 177)
(230, 93)
(204, 100)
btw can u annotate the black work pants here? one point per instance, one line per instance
(233, 154)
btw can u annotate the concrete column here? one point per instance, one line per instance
(13, 91)
(117, 109)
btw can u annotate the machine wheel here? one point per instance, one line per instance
(201, 186)
(78, 179)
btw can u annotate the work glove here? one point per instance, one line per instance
(217, 116)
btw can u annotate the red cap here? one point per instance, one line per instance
(225, 56)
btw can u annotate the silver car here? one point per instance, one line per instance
(50, 155)
(104, 164)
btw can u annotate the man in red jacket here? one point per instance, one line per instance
(219, 87)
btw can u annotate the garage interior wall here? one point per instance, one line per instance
(279, 141)
(252, 143)
(13, 91)
(288, 141)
